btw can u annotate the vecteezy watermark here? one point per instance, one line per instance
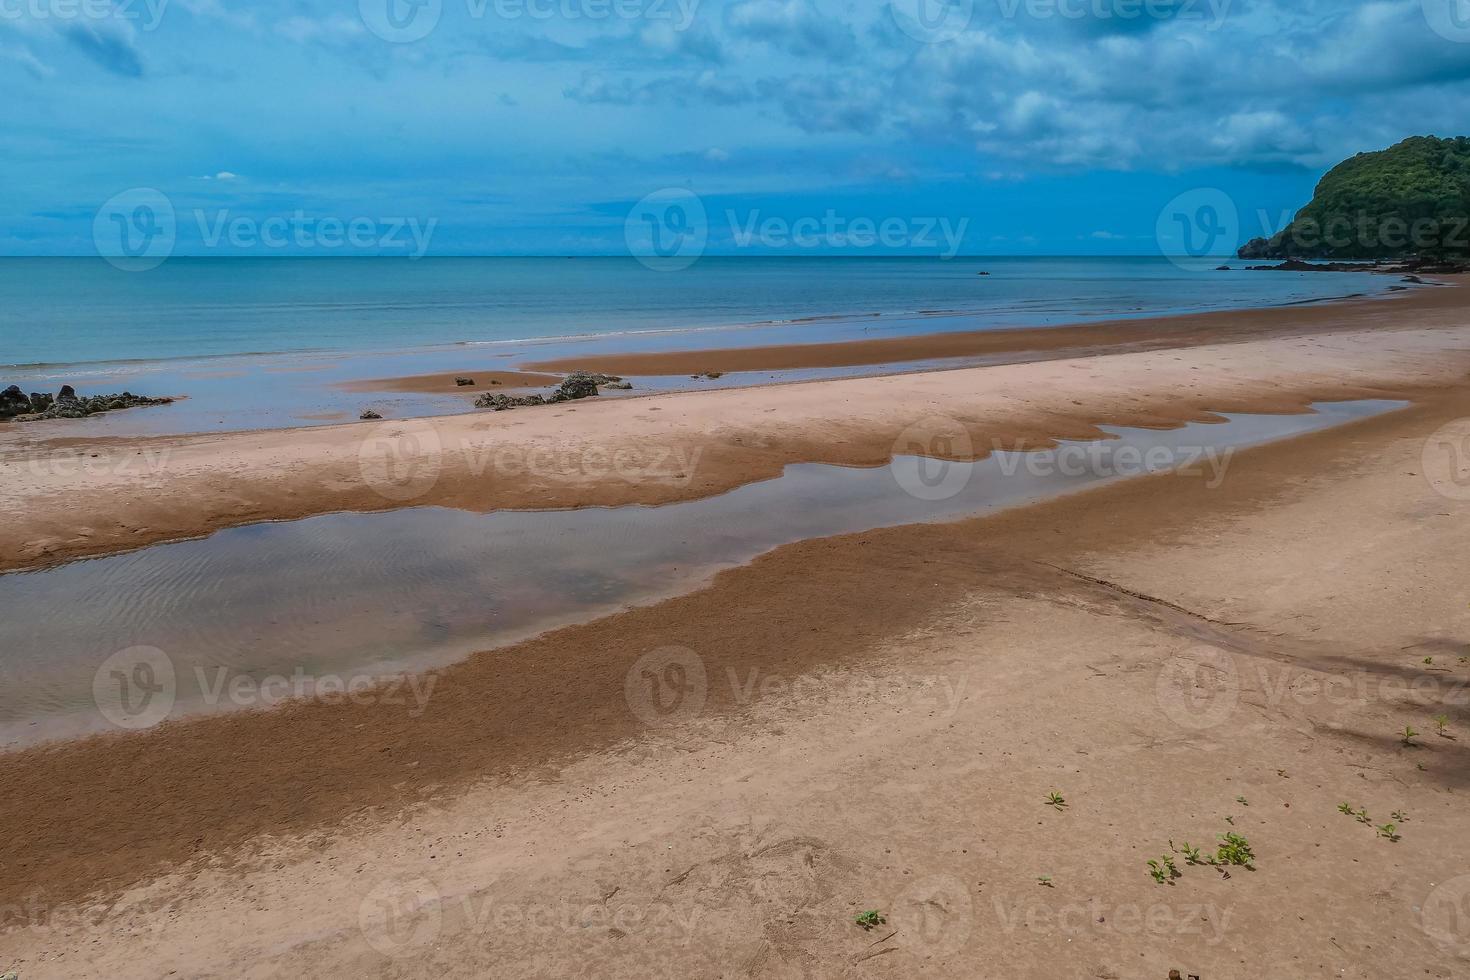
(1202, 688)
(667, 230)
(400, 21)
(139, 687)
(1445, 460)
(673, 684)
(135, 688)
(135, 230)
(1198, 689)
(1198, 228)
(406, 21)
(399, 918)
(1094, 917)
(1110, 459)
(670, 230)
(932, 21)
(1445, 915)
(97, 461)
(666, 686)
(139, 229)
(1210, 13)
(832, 231)
(145, 14)
(936, 914)
(225, 687)
(401, 461)
(1450, 19)
(933, 459)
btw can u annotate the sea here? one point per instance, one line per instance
(264, 342)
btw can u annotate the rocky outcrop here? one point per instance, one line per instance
(576, 386)
(67, 404)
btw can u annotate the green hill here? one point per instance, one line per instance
(1410, 199)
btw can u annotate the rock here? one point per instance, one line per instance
(1414, 279)
(1222, 268)
(982, 273)
(620, 385)
(708, 374)
(369, 414)
(578, 385)
(68, 405)
(13, 402)
(465, 382)
(501, 403)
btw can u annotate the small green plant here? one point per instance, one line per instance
(1429, 661)
(1346, 808)
(1442, 725)
(1230, 821)
(1390, 831)
(1164, 870)
(1235, 850)
(1242, 801)
(1056, 800)
(870, 919)
(1400, 816)
(1362, 816)
(1044, 881)
(1408, 735)
(1191, 854)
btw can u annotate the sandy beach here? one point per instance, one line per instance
(719, 783)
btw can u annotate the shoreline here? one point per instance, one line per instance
(1142, 333)
(659, 448)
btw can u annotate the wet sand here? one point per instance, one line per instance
(443, 383)
(1153, 333)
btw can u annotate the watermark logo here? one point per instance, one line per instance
(1450, 19)
(932, 21)
(1198, 689)
(666, 686)
(668, 230)
(1445, 460)
(1446, 915)
(401, 461)
(1198, 228)
(1211, 13)
(833, 231)
(400, 21)
(136, 229)
(146, 14)
(936, 913)
(135, 688)
(932, 459)
(398, 918)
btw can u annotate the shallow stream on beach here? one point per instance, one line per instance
(253, 614)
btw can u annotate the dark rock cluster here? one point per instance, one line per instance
(66, 404)
(579, 385)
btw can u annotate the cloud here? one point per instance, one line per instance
(109, 43)
(794, 26)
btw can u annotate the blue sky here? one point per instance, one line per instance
(533, 126)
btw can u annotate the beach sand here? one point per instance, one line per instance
(866, 722)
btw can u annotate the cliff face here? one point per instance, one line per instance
(1410, 199)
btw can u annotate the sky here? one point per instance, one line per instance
(600, 127)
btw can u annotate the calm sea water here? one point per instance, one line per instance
(83, 311)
